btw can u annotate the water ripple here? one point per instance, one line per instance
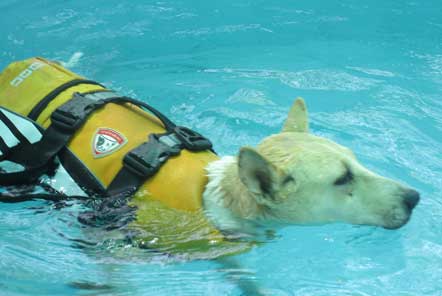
(321, 79)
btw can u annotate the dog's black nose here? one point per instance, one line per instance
(411, 198)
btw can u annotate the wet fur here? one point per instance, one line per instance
(294, 177)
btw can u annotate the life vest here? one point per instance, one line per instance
(110, 139)
(110, 145)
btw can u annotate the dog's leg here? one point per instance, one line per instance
(240, 277)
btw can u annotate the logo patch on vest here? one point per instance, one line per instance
(106, 141)
(26, 73)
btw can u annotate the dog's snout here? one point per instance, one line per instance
(411, 198)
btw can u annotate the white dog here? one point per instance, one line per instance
(293, 177)
(296, 177)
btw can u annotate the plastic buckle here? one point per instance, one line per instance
(138, 165)
(71, 115)
(146, 159)
(65, 120)
(192, 140)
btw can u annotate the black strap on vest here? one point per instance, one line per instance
(17, 131)
(145, 160)
(138, 165)
(4, 149)
(12, 128)
(36, 111)
(66, 120)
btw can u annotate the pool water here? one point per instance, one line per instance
(370, 72)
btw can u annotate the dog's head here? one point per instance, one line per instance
(302, 178)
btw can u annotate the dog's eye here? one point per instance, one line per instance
(347, 177)
(287, 180)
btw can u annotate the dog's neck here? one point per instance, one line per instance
(227, 202)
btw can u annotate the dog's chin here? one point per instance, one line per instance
(393, 227)
(396, 222)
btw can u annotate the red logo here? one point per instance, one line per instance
(106, 141)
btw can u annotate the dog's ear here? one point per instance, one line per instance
(297, 120)
(256, 172)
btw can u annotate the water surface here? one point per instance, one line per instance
(370, 71)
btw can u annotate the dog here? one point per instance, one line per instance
(292, 177)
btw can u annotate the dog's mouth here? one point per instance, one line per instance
(400, 214)
(398, 217)
(396, 225)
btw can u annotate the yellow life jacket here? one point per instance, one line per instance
(169, 202)
(37, 87)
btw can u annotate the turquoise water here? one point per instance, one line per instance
(370, 71)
